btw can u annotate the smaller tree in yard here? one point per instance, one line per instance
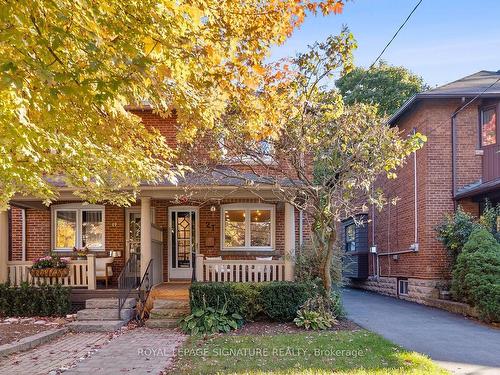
(384, 85)
(476, 276)
(349, 147)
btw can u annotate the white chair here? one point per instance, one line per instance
(104, 269)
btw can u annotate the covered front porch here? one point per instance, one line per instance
(210, 235)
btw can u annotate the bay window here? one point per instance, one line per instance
(78, 225)
(248, 227)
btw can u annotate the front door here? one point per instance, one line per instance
(133, 231)
(183, 239)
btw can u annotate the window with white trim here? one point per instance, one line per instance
(248, 227)
(77, 225)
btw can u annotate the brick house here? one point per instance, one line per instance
(396, 252)
(212, 224)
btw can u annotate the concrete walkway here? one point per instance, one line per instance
(139, 351)
(458, 344)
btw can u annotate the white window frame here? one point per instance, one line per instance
(247, 207)
(79, 208)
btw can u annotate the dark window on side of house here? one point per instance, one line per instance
(350, 237)
(403, 287)
(488, 126)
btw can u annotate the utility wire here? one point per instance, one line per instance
(474, 98)
(387, 45)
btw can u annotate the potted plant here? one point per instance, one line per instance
(81, 254)
(50, 266)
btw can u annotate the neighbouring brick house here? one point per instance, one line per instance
(397, 252)
(209, 221)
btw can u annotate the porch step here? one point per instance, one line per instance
(105, 314)
(168, 313)
(162, 323)
(170, 304)
(96, 325)
(108, 303)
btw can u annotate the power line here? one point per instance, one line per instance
(388, 44)
(474, 98)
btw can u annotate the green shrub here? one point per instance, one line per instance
(207, 320)
(281, 300)
(476, 275)
(278, 300)
(29, 300)
(455, 231)
(314, 320)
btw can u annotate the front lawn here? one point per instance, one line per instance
(345, 352)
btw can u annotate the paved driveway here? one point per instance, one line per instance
(461, 345)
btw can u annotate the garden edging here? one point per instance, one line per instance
(31, 341)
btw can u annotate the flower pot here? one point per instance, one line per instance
(49, 272)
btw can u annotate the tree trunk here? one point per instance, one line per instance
(327, 264)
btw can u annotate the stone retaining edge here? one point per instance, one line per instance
(32, 341)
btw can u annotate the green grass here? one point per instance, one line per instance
(302, 353)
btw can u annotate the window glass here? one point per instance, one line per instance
(234, 228)
(92, 229)
(488, 127)
(260, 228)
(350, 237)
(65, 229)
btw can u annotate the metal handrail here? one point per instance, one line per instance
(147, 281)
(193, 265)
(128, 280)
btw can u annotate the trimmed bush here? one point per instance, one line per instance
(281, 300)
(476, 275)
(29, 300)
(278, 300)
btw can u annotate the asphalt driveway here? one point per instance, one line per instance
(458, 344)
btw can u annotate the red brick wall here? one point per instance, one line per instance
(114, 236)
(15, 234)
(394, 225)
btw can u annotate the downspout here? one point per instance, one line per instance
(301, 234)
(454, 154)
(415, 198)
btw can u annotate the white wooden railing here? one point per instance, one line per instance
(157, 253)
(210, 270)
(81, 274)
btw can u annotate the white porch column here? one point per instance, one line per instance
(199, 267)
(289, 242)
(91, 274)
(145, 233)
(4, 245)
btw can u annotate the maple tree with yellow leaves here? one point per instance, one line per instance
(68, 69)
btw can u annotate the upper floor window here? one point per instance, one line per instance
(248, 227)
(350, 237)
(77, 225)
(488, 127)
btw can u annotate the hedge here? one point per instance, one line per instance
(278, 300)
(29, 300)
(476, 275)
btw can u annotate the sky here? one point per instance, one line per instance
(443, 41)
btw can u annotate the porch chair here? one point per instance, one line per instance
(104, 269)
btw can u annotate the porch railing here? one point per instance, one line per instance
(157, 254)
(210, 270)
(81, 274)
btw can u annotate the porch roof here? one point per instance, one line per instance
(490, 189)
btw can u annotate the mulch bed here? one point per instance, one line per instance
(273, 328)
(14, 329)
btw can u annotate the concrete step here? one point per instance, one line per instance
(171, 303)
(96, 325)
(108, 303)
(162, 323)
(168, 313)
(104, 314)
